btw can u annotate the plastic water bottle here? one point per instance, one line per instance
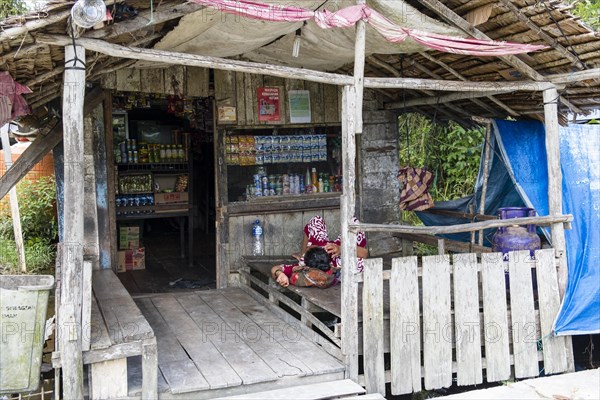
(257, 236)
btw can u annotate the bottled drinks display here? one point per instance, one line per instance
(134, 200)
(257, 238)
(292, 184)
(131, 152)
(138, 183)
(259, 150)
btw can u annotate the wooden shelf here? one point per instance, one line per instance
(290, 203)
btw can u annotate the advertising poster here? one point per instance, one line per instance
(226, 114)
(299, 106)
(268, 104)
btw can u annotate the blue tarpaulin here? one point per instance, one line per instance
(518, 177)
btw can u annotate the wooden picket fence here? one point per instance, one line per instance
(464, 315)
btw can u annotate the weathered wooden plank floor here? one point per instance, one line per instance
(223, 342)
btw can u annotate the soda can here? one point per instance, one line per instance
(256, 179)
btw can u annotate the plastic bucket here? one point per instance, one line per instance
(23, 304)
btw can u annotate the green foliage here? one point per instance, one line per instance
(12, 7)
(451, 152)
(40, 257)
(588, 11)
(37, 209)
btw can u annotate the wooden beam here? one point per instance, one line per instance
(456, 109)
(471, 227)
(382, 64)
(555, 183)
(439, 99)
(448, 68)
(573, 77)
(71, 279)
(547, 38)
(110, 178)
(555, 200)
(176, 58)
(38, 23)
(39, 148)
(458, 214)
(45, 76)
(145, 20)
(359, 69)
(451, 245)
(30, 157)
(12, 33)
(486, 173)
(455, 86)
(347, 211)
(451, 17)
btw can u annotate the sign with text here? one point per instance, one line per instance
(299, 106)
(268, 104)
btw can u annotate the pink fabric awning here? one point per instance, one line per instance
(348, 16)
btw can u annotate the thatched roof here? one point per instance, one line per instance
(572, 47)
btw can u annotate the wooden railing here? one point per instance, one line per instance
(436, 309)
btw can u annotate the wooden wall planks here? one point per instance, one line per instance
(495, 318)
(511, 333)
(522, 315)
(467, 327)
(373, 363)
(437, 322)
(185, 81)
(324, 99)
(282, 233)
(405, 334)
(555, 357)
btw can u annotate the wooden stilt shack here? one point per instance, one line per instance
(379, 309)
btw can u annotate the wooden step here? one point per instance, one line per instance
(317, 391)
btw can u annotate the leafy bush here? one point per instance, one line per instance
(39, 256)
(37, 201)
(451, 152)
(588, 11)
(12, 7)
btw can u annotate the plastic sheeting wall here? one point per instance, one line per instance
(519, 177)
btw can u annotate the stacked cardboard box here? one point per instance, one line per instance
(129, 237)
(130, 256)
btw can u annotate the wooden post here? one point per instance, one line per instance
(555, 183)
(359, 69)
(349, 285)
(14, 205)
(111, 207)
(71, 279)
(486, 174)
(551, 99)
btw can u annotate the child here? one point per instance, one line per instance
(315, 271)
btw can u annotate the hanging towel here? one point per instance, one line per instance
(414, 189)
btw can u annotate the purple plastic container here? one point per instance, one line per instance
(512, 238)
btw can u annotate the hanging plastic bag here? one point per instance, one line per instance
(414, 189)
